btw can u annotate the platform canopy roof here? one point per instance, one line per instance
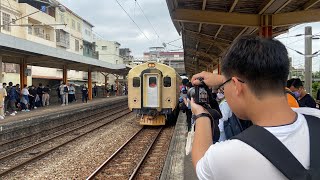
(13, 50)
(208, 27)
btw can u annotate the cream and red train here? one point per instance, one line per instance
(153, 92)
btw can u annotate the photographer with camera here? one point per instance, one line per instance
(277, 146)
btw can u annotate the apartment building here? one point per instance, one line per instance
(109, 51)
(53, 27)
(125, 53)
(173, 59)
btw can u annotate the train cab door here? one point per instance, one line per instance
(152, 89)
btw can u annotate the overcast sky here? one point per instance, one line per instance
(112, 23)
(297, 43)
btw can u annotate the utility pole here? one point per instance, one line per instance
(308, 59)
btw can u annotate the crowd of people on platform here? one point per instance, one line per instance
(13, 98)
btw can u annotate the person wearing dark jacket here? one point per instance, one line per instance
(84, 91)
(33, 93)
(304, 99)
(40, 92)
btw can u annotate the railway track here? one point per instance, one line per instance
(18, 159)
(14, 143)
(132, 159)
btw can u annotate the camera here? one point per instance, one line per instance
(199, 93)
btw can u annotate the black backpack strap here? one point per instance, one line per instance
(314, 133)
(272, 149)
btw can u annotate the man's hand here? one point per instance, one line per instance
(196, 108)
(209, 79)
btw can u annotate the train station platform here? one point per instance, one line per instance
(178, 165)
(38, 119)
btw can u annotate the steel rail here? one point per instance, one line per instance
(56, 147)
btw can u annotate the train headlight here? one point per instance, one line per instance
(151, 65)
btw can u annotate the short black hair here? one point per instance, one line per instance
(189, 84)
(263, 64)
(297, 83)
(185, 81)
(289, 82)
(40, 84)
(10, 83)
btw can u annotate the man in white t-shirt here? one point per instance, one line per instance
(254, 72)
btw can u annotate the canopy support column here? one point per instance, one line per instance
(65, 74)
(23, 73)
(89, 84)
(266, 26)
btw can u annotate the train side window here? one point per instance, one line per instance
(136, 82)
(152, 82)
(167, 81)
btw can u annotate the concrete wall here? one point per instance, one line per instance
(14, 78)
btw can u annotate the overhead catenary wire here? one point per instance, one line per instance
(132, 20)
(148, 20)
(173, 41)
(297, 35)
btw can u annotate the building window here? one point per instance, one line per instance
(104, 48)
(78, 27)
(30, 30)
(39, 32)
(73, 24)
(167, 81)
(136, 82)
(6, 21)
(63, 38)
(77, 45)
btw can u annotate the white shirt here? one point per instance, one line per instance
(234, 159)
(24, 91)
(226, 114)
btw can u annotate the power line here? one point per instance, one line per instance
(296, 41)
(173, 40)
(297, 35)
(174, 45)
(148, 19)
(132, 20)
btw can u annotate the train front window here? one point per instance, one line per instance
(136, 82)
(152, 82)
(167, 81)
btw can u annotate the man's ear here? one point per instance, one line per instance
(237, 85)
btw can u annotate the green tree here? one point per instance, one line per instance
(316, 74)
(315, 87)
